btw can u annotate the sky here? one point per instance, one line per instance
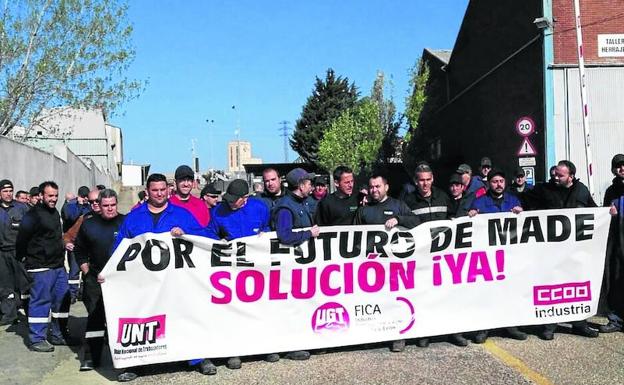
(201, 57)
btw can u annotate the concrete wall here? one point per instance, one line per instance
(27, 166)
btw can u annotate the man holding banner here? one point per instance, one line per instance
(496, 200)
(566, 192)
(157, 216)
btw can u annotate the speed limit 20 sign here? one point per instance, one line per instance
(525, 126)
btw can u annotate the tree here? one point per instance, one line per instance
(387, 119)
(353, 139)
(414, 103)
(328, 100)
(63, 53)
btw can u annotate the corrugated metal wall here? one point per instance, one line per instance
(605, 90)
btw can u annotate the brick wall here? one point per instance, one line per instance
(597, 17)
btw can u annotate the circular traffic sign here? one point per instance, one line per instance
(525, 126)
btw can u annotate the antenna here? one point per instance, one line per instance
(285, 134)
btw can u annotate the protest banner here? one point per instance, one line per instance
(172, 299)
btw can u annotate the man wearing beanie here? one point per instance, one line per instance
(12, 278)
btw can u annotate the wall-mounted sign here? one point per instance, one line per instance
(527, 148)
(522, 162)
(529, 174)
(525, 126)
(611, 45)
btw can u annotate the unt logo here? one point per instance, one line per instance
(140, 331)
(331, 316)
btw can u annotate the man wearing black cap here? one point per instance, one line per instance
(461, 199)
(11, 273)
(292, 211)
(289, 213)
(210, 195)
(318, 193)
(35, 196)
(480, 181)
(238, 216)
(184, 179)
(612, 294)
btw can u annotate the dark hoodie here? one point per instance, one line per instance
(40, 239)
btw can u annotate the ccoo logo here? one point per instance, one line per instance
(331, 316)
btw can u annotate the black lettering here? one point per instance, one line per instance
(463, 235)
(326, 238)
(356, 248)
(241, 253)
(131, 253)
(506, 231)
(182, 254)
(440, 238)
(219, 251)
(582, 227)
(146, 255)
(532, 228)
(375, 242)
(566, 228)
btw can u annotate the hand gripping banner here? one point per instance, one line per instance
(172, 299)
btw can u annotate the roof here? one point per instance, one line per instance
(443, 55)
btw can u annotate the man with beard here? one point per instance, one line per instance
(272, 187)
(566, 191)
(382, 210)
(496, 200)
(93, 250)
(40, 243)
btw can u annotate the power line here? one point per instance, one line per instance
(285, 134)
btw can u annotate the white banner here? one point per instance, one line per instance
(173, 299)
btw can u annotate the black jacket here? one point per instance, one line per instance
(95, 241)
(551, 196)
(10, 218)
(336, 209)
(378, 213)
(437, 207)
(614, 191)
(40, 239)
(460, 207)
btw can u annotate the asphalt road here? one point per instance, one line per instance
(567, 360)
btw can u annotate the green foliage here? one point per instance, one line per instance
(387, 119)
(63, 53)
(353, 139)
(414, 103)
(328, 100)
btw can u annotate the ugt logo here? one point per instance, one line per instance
(139, 331)
(331, 316)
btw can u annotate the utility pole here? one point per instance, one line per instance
(285, 134)
(210, 123)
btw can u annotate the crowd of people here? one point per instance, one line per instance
(37, 241)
